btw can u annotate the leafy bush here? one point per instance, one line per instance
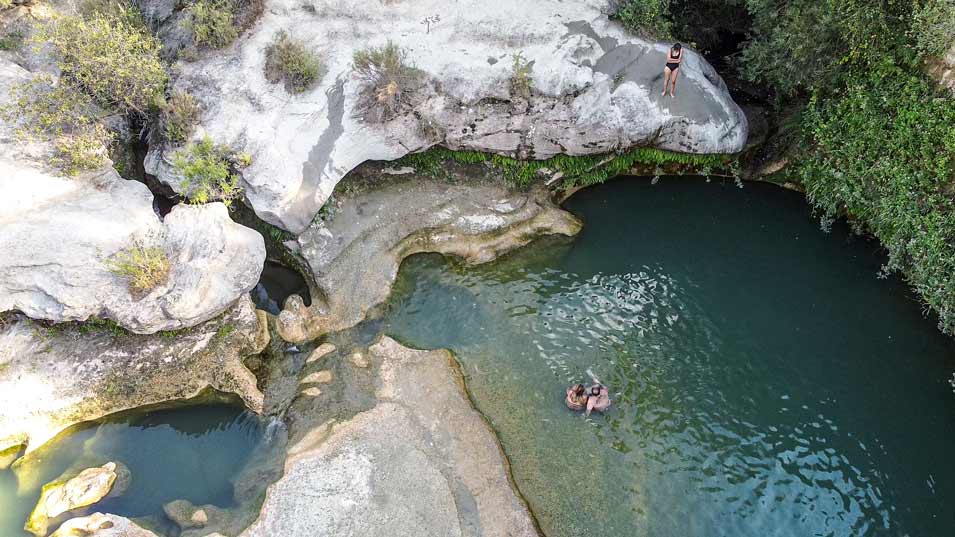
(144, 267)
(212, 23)
(179, 116)
(388, 80)
(108, 57)
(208, 174)
(288, 61)
(521, 76)
(885, 153)
(645, 17)
(934, 27)
(82, 149)
(11, 41)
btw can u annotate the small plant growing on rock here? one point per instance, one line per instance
(388, 81)
(11, 41)
(208, 173)
(212, 23)
(289, 62)
(144, 267)
(179, 116)
(82, 149)
(521, 76)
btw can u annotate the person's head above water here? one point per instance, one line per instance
(595, 389)
(578, 389)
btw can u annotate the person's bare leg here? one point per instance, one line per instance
(673, 76)
(666, 81)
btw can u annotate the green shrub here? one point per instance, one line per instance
(649, 18)
(108, 57)
(212, 23)
(884, 153)
(934, 27)
(208, 174)
(4, 4)
(289, 62)
(83, 149)
(521, 76)
(11, 41)
(179, 116)
(388, 81)
(144, 267)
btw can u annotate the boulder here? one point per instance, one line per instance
(594, 89)
(88, 487)
(355, 255)
(60, 232)
(51, 378)
(416, 463)
(101, 525)
(943, 69)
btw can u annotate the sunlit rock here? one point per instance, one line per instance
(59, 497)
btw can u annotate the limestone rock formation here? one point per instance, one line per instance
(51, 378)
(943, 69)
(59, 497)
(59, 233)
(416, 463)
(101, 525)
(593, 89)
(355, 256)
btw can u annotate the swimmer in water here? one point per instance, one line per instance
(598, 398)
(576, 397)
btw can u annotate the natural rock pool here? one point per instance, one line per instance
(766, 380)
(193, 453)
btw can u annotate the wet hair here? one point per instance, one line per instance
(677, 46)
(578, 389)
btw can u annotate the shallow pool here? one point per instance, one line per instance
(766, 380)
(191, 453)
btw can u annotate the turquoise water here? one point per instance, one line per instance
(766, 380)
(187, 453)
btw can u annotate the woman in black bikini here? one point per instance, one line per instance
(672, 69)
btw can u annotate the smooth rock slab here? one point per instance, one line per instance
(100, 525)
(354, 258)
(420, 462)
(596, 89)
(53, 378)
(58, 233)
(86, 488)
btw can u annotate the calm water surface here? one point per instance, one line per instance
(766, 380)
(187, 453)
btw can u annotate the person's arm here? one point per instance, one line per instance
(590, 405)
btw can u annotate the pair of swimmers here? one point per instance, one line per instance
(593, 397)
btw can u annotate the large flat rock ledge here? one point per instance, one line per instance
(420, 462)
(354, 256)
(52, 378)
(596, 89)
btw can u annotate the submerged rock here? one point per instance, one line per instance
(418, 462)
(62, 496)
(100, 525)
(591, 88)
(59, 232)
(355, 256)
(51, 378)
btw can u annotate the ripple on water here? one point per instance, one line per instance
(766, 382)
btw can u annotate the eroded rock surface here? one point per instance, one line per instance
(355, 256)
(59, 232)
(86, 488)
(51, 378)
(943, 69)
(101, 525)
(594, 89)
(418, 462)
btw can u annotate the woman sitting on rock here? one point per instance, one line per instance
(576, 397)
(672, 69)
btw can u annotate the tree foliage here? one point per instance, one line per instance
(208, 172)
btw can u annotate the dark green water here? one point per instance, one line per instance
(187, 453)
(766, 380)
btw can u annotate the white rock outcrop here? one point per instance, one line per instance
(101, 525)
(86, 488)
(58, 233)
(596, 89)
